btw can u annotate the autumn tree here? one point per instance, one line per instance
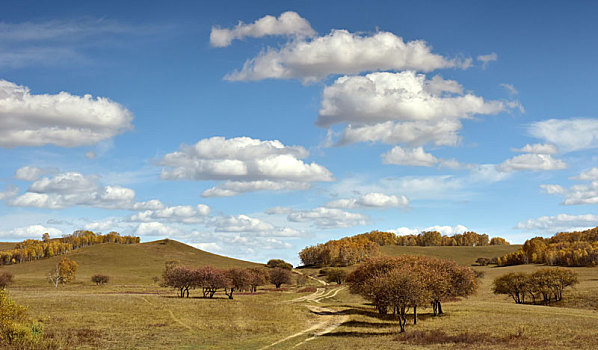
(6, 278)
(279, 276)
(63, 272)
(210, 279)
(237, 279)
(336, 275)
(179, 277)
(513, 284)
(257, 277)
(545, 284)
(100, 279)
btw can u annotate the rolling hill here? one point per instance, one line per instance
(125, 264)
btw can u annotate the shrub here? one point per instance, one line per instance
(336, 275)
(274, 263)
(100, 279)
(279, 276)
(6, 278)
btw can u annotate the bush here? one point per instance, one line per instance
(336, 275)
(279, 276)
(274, 263)
(6, 278)
(100, 279)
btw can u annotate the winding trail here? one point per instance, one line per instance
(328, 319)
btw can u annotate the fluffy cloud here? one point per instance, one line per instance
(591, 174)
(538, 148)
(417, 157)
(254, 226)
(533, 162)
(155, 229)
(288, 23)
(328, 217)
(183, 213)
(445, 230)
(10, 192)
(575, 195)
(342, 52)
(370, 200)
(567, 134)
(400, 108)
(28, 173)
(248, 165)
(29, 232)
(559, 223)
(62, 119)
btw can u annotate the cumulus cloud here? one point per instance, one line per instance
(328, 217)
(369, 201)
(342, 52)
(240, 223)
(590, 174)
(559, 223)
(10, 192)
(538, 148)
(155, 229)
(182, 213)
(247, 164)
(62, 119)
(400, 108)
(29, 232)
(567, 134)
(288, 23)
(28, 173)
(575, 195)
(485, 59)
(533, 162)
(417, 157)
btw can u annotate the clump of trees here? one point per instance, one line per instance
(352, 250)
(274, 263)
(578, 248)
(336, 275)
(100, 279)
(33, 249)
(210, 279)
(63, 272)
(402, 283)
(544, 285)
(6, 278)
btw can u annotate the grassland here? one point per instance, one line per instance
(134, 312)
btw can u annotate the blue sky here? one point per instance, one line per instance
(253, 130)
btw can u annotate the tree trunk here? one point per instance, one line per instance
(440, 308)
(415, 315)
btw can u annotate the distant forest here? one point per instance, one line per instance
(351, 250)
(578, 248)
(33, 249)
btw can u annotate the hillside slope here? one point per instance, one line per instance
(462, 255)
(125, 264)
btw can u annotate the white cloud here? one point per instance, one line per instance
(342, 52)
(485, 59)
(288, 23)
(28, 173)
(62, 119)
(155, 229)
(32, 231)
(537, 148)
(248, 165)
(278, 210)
(559, 223)
(328, 217)
(400, 108)
(233, 188)
(152, 204)
(409, 156)
(591, 174)
(510, 88)
(533, 162)
(567, 134)
(106, 225)
(370, 200)
(10, 192)
(208, 246)
(445, 230)
(575, 195)
(240, 223)
(183, 213)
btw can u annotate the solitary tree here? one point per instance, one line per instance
(336, 275)
(63, 272)
(279, 276)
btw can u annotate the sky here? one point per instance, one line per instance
(254, 129)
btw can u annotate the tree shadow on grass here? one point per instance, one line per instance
(362, 324)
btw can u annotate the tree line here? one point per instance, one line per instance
(210, 279)
(544, 285)
(578, 248)
(399, 284)
(355, 249)
(33, 249)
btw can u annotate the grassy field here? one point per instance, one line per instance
(134, 312)
(462, 255)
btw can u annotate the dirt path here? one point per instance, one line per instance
(328, 319)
